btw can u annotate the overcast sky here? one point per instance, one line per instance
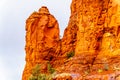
(13, 14)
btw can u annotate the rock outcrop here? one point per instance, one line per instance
(42, 40)
(92, 34)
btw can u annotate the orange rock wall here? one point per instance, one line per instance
(95, 20)
(98, 34)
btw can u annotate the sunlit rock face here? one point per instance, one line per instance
(92, 34)
(42, 40)
(95, 28)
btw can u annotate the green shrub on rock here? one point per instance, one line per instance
(70, 54)
(37, 75)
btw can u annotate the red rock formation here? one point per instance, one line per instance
(93, 34)
(42, 40)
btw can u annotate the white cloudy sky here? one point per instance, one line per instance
(13, 14)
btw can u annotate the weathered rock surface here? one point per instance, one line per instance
(93, 34)
(42, 40)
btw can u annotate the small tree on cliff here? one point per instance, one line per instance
(35, 72)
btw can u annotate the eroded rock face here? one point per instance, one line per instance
(93, 34)
(42, 40)
(98, 25)
(95, 28)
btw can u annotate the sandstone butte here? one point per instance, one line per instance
(92, 34)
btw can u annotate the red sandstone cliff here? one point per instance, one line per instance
(42, 40)
(93, 34)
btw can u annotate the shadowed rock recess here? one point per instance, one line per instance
(89, 49)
